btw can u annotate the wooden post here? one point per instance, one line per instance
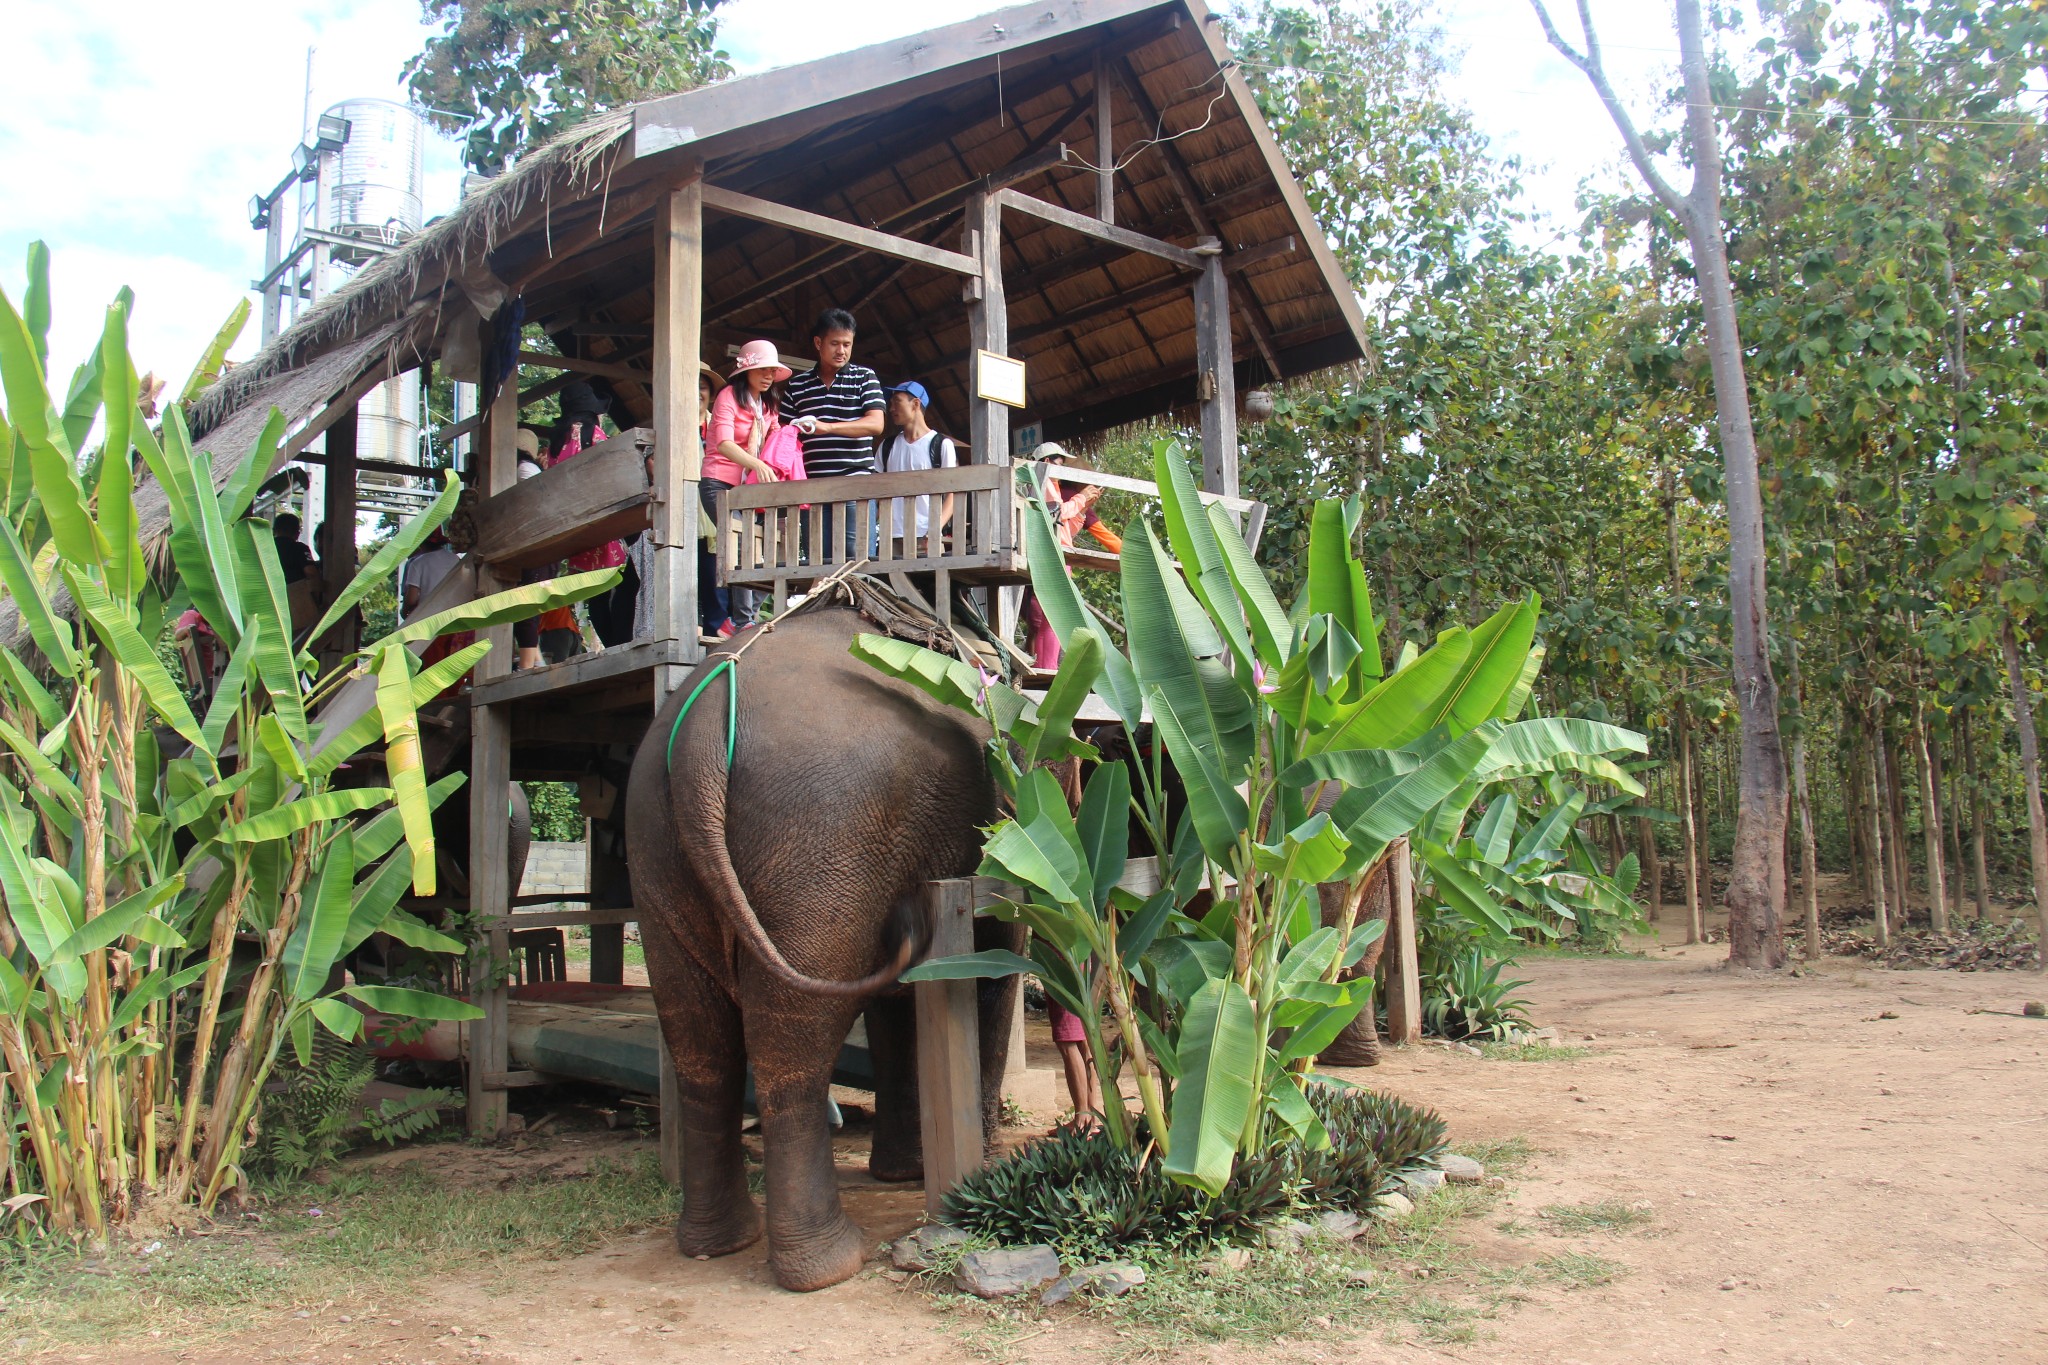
(1105, 143)
(988, 324)
(678, 456)
(490, 771)
(1404, 976)
(949, 1050)
(1215, 380)
(338, 555)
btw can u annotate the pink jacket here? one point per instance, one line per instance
(731, 422)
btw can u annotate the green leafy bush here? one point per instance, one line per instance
(305, 1115)
(1082, 1193)
(557, 812)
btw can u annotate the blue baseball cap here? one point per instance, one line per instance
(914, 389)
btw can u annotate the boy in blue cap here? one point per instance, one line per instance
(915, 446)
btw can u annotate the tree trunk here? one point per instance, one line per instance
(1949, 783)
(1901, 863)
(1809, 887)
(1874, 836)
(1930, 823)
(2030, 771)
(1974, 790)
(1755, 905)
(1694, 927)
(1653, 871)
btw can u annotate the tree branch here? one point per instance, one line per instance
(1596, 72)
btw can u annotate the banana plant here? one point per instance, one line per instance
(147, 840)
(1304, 758)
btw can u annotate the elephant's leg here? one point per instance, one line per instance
(996, 1002)
(1359, 1043)
(898, 1152)
(702, 1026)
(793, 1042)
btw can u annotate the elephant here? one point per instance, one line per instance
(779, 828)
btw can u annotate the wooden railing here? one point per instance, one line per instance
(776, 534)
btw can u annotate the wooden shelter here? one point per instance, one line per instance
(1085, 186)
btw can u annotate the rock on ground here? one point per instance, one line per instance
(996, 1274)
(1460, 1170)
(1108, 1281)
(1340, 1224)
(1419, 1185)
(916, 1250)
(1390, 1206)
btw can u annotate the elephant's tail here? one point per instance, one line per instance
(699, 800)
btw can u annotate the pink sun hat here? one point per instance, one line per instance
(760, 355)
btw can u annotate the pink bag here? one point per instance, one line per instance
(782, 452)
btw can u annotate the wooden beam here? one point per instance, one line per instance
(600, 495)
(832, 229)
(1404, 974)
(1135, 300)
(338, 555)
(949, 1050)
(988, 323)
(1061, 216)
(490, 771)
(582, 673)
(390, 467)
(678, 451)
(932, 209)
(1216, 379)
(1105, 144)
(602, 368)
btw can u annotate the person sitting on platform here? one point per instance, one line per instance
(526, 632)
(301, 571)
(838, 408)
(611, 613)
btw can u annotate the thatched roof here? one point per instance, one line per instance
(896, 137)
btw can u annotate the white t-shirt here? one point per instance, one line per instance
(425, 570)
(903, 457)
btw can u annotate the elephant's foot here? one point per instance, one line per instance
(1348, 1050)
(816, 1262)
(735, 1230)
(897, 1166)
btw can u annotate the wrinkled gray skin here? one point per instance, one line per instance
(779, 901)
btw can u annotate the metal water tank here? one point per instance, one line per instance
(374, 185)
(388, 423)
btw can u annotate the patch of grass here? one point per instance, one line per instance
(1506, 1157)
(1534, 1052)
(1608, 1215)
(351, 1241)
(1577, 1270)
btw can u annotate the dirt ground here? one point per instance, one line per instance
(1835, 1168)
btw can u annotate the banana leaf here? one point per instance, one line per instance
(1494, 665)
(403, 761)
(1214, 803)
(1066, 611)
(411, 1004)
(35, 303)
(393, 552)
(315, 945)
(513, 604)
(1177, 651)
(115, 384)
(216, 353)
(1271, 630)
(1220, 1058)
(992, 962)
(110, 622)
(1103, 824)
(1195, 544)
(51, 633)
(1399, 710)
(293, 816)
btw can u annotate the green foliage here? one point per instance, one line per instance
(396, 1120)
(307, 1110)
(141, 836)
(557, 812)
(508, 74)
(1261, 711)
(1465, 998)
(1092, 1199)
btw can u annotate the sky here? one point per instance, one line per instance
(132, 145)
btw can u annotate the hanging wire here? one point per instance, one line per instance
(1159, 136)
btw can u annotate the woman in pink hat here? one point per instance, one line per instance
(743, 416)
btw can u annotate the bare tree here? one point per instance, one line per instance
(1756, 884)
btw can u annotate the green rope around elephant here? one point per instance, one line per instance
(732, 709)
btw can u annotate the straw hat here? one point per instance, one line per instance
(760, 355)
(717, 379)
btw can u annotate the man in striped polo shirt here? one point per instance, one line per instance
(838, 408)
